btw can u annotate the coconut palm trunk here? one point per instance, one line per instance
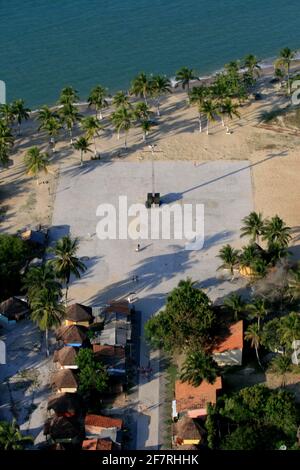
(47, 342)
(207, 127)
(257, 357)
(95, 147)
(200, 122)
(81, 157)
(125, 140)
(158, 108)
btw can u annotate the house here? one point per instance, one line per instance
(229, 349)
(104, 427)
(35, 237)
(72, 335)
(116, 332)
(187, 431)
(113, 357)
(66, 358)
(64, 381)
(63, 430)
(192, 400)
(121, 308)
(77, 314)
(66, 404)
(99, 444)
(13, 309)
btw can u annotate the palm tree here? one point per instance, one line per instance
(47, 312)
(235, 304)
(253, 335)
(253, 226)
(66, 263)
(197, 96)
(284, 60)
(83, 146)
(142, 111)
(146, 127)
(36, 162)
(294, 282)
(68, 95)
(210, 109)
(20, 112)
(11, 437)
(258, 309)
(197, 367)
(141, 86)
(251, 63)
(122, 119)
(98, 99)
(290, 329)
(91, 126)
(121, 99)
(228, 109)
(44, 114)
(52, 126)
(6, 142)
(41, 278)
(281, 365)
(276, 231)
(230, 258)
(249, 256)
(160, 85)
(185, 76)
(7, 113)
(69, 117)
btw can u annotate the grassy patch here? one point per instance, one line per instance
(30, 203)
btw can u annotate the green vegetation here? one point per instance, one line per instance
(14, 254)
(11, 437)
(36, 162)
(199, 366)
(92, 373)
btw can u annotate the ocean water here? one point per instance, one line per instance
(48, 44)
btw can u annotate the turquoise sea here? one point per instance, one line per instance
(47, 44)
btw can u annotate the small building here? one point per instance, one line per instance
(229, 350)
(65, 358)
(13, 309)
(104, 427)
(66, 404)
(192, 400)
(73, 335)
(99, 444)
(113, 357)
(64, 381)
(63, 430)
(78, 314)
(187, 431)
(115, 332)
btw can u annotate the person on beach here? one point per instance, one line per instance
(138, 247)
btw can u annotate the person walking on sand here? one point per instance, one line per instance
(138, 247)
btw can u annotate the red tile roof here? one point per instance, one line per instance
(233, 340)
(106, 350)
(189, 397)
(97, 444)
(103, 421)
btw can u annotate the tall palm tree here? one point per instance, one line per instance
(197, 96)
(36, 162)
(98, 99)
(66, 262)
(236, 305)
(281, 365)
(284, 60)
(185, 76)
(197, 367)
(68, 95)
(52, 126)
(230, 258)
(228, 109)
(122, 120)
(141, 111)
(276, 231)
(11, 437)
(251, 63)
(258, 309)
(253, 335)
(69, 117)
(253, 226)
(83, 146)
(160, 85)
(121, 99)
(44, 114)
(141, 86)
(7, 113)
(290, 329)
(249, 255)
(47, 312)
(6, 142)
(210, 109)
(20, 112)
(41, 278)
(91, 126)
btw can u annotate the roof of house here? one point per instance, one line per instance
(233, 339)
(64, 378)
(65, 403)
(97, 444)
(60, 427)
(13, 307)
(79, 312)
(65, 356)
(103, 421)
(189, 397)
(121, 306)
(71, 334)
(111, 356)
(187, 429)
